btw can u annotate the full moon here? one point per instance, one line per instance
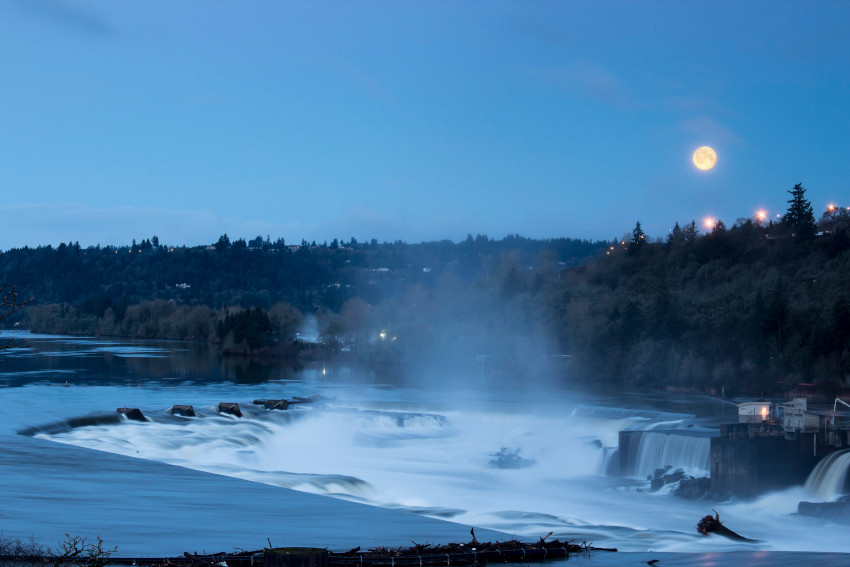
(705, 158)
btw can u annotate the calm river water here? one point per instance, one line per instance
(377, 462)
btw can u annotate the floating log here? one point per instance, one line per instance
(276, 404)
(230, 408)
(185, 411)
(134, 414)
(712, 525)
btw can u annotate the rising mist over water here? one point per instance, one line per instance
(434, 452)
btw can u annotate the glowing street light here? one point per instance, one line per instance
(709, 223)
(761, 215)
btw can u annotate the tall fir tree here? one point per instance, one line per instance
(800, 218)
(638, 239)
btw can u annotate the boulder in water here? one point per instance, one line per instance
(665, 476)
(185, 411)
(276, 404)
(230, 409)
(134, 414)
(837, 511)
(692, 488)
(507, 459)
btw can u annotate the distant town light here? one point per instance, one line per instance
(709, 222)
(761, 215)
(831, 207)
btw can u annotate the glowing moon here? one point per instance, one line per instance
(705, 158)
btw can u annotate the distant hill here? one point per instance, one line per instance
(751, 309)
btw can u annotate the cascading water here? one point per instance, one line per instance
(419, 450)
(827, 481)
(641, 453)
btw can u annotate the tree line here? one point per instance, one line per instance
(758, 307)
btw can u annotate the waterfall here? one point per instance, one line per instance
(826, 481)
(642, 452)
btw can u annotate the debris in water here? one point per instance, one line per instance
(712, 524)
(508, 459)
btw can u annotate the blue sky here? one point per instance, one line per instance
(412, 120)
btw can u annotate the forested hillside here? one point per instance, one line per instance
(756, 308)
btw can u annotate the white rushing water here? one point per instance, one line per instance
(440, 460)
(826, 482)
(431, 449)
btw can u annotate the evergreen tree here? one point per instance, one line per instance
(223, 243)
(800, 218)
(638, 239)
(676, 235)
(691, 232)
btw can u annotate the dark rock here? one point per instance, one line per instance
(507, 459)
(134, 414)
(185, 411)
(692, 488)
(308, 400)
(230, 408)
(665, 476)
(837, 511)
(276, 404)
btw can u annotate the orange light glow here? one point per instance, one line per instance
(761, 214)
(764, 412)
(709, 222)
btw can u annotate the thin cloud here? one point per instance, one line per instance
(589, 81)
(84, 20)
(707, 128)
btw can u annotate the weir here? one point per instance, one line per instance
(642, 453)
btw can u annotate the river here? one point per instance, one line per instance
(377, 461)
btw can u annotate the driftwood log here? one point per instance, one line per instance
(712, 525)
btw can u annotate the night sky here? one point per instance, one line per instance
(412, 120)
